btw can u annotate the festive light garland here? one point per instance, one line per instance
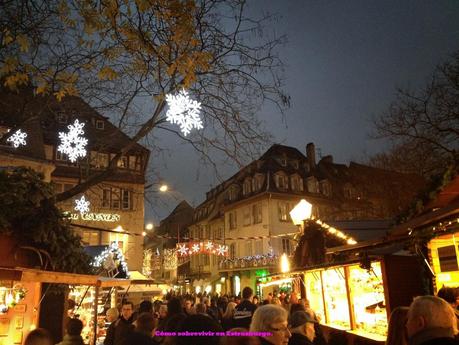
(112, 258)
(190, 248)
(333, 231)
(170, 259)
(251, 260)
(9, 297)
(146, 264)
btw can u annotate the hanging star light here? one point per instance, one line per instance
(183, 250)
(209, 246)
(82, 205)
(196, 247)
(221, 250)
(73, 143)
(183, 111)
(18, 138)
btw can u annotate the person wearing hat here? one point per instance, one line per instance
(302, 329)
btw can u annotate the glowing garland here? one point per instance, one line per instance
(112, 258)
(190, 248)
(10, 297)
(18, 138)
(250, 261)
(73, 144)
(146, 264)
(331, 230)
(183, 111)
(170, 259)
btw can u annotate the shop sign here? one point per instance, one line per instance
(96, 217)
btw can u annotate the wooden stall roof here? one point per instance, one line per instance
(39, 276)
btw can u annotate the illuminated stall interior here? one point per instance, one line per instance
(444, 252)
(349, 298)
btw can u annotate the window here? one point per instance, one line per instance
(349, 191)
(123, 162)
(281, 181)
(232, 250)
(248, 248)
(125, 199)
(295, 164)
(447, 258)
(106, 196)
(246, 187)
(61, 156)
(58, 188)
(258, 247)
(313, 185)
(62, 118)
(100, 124)
(259, 181)
(284, 211)
(246, 216)
(99, 159)
(68, 186)
(286, 246)
(296, 183)
(232, 193)
(90, 238)
(283, 161)
(325, 187)
(232, 220)
(115, 202)
(256, 213)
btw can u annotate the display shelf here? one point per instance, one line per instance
(336, 297)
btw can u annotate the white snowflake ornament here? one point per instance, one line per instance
(183, 111)
(183, 250)
(195, 248)
(221, 250)
(73, 144)
(209, 246)
(18, 138)
(82, 205)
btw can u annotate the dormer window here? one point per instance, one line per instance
(246, 187)
(281, 181)
(295, 164)
(297, 183)
(62, 118)
(100, 124)
(232, 193)
(257, 182)
(283, 161)
(325, 187)
(313, 185)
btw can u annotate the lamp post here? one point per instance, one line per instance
(301, 212)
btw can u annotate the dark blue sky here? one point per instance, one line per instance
(344, 60)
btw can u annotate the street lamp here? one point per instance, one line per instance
(301, 212)
(149, 226)
(164, 188)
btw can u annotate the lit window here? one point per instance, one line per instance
(123, 162)
(125, 199)
(106, 195)
(115, 198)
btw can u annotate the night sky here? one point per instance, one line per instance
(344, 60)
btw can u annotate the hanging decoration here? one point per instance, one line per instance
(82, 205)
(73, 144)
(170, 259)
(18, 138)
(250, 261)
(190, 248)
(112, 260)
(183, 111)
(146, 264)
(9, 297)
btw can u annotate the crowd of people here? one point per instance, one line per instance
(277, 320)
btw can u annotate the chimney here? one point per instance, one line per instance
(327, 159)
(311, 155)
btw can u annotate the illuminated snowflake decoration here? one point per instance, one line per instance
(221, 250)
(73, 144)
(82, 205)
(183, 111)
(183, 250)
(209, 246)
(195, 248)
(18, 138)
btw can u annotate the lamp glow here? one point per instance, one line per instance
(149, 226)
(300, 212)
(285, 264)
(163, 188)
